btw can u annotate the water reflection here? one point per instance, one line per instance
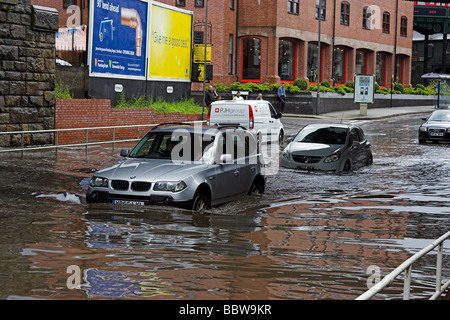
(312, 235)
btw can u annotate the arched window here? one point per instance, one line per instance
(386, 22)
(339, 65)
(345, 13)
(404, 26)
(381, 69)
(286, 60)
(251, 59)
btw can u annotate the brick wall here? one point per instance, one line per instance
(89, 113)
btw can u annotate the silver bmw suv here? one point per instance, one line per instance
(190, 166)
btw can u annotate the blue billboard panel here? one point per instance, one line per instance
(118, 37)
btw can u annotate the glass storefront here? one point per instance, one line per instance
(313, 57)
(286, 60)
(339, 65)
(361, 62)
(381, 69)
(251, 59)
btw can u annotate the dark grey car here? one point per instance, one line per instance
(194, 167)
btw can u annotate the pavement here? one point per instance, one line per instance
(371, 114)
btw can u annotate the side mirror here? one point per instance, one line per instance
(279, 115)
(288, 140)
(226, 158)
(425, 118)
(124, 152)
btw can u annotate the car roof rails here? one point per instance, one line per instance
(172, 124)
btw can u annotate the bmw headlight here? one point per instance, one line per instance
(334, 157)
(172, 186)
(99, 182)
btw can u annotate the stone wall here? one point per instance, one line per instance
(27, 69)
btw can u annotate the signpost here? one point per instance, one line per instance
(364, 92)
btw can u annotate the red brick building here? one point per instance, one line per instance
(276, 40)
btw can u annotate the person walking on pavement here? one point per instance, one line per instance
(209, 96)
(282, 97)
(259, 97)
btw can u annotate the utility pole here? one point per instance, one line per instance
(319, 3)
(204, 61)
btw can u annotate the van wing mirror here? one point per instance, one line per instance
(279, 115)
(226, 158)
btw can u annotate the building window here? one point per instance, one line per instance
(230, 53)
(386, 22)
(366, 18)
(381, 69)
(199, 3)
(313, 57)
(339, 65)
(67, 3)
(345, 13)
(293, 6)
(231, 4)
(286, 60)
(361, 62)
(323, 13)
(404, 26)
(180, 3)
(251, 59)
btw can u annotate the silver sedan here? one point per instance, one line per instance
(336, 147)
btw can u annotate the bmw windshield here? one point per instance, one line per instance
(169, 146)
(440, 116)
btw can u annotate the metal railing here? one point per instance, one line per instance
(21, 148)
(407, 268)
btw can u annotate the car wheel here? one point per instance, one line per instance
(256, 188)
(422, 140)
(200, 204)
(347, 166)
(280, 137)
(369, 160)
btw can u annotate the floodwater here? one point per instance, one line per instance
(311, 235)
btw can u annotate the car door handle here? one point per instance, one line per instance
(253, 168)
(236, 172)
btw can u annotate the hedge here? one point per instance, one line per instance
(302, 85)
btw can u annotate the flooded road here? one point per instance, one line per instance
(311, 235)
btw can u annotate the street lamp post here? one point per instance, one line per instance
(204, 61)
(319, 5)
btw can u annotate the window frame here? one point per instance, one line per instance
(403, 26)
(323, 16)
(199, 3)
(367, 13)
(386, 22)
(180, 3)
(345, 13)
(294, 7)
(242, 59)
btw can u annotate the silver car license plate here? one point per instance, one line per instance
(436, 134)
(128, 203)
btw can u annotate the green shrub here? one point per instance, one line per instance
(301, 83)
(62, 91)
(419, 86)
(325, 84)
(399, 87)
(350, 85)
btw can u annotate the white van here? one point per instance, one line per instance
(258, 116)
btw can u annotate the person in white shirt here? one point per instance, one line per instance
(238, 96)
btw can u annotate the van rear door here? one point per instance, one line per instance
(229, 114)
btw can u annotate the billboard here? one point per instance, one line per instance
(118, 36)
(364, 89)
(169, 43)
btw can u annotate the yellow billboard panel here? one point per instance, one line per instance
(170, 44)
